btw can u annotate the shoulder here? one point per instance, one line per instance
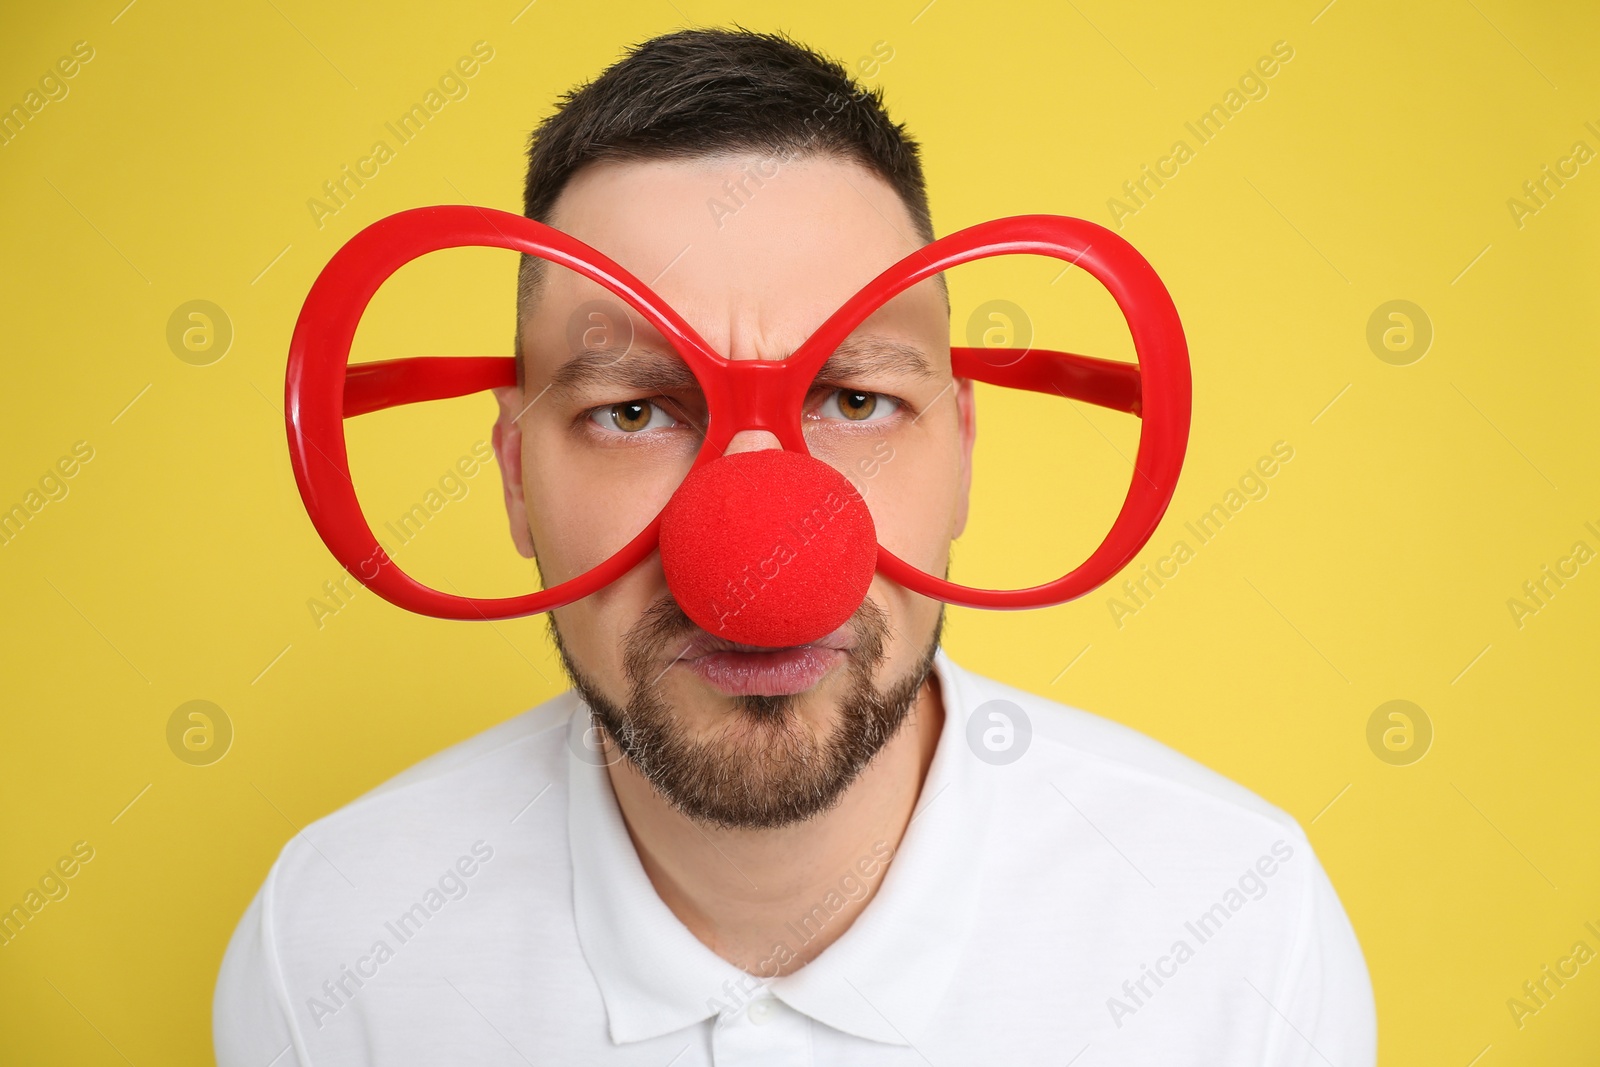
(441, 804)
(471, 780)
(1128, 823)
(502, 787)
(1079, 750)
(444, 841)
(538, 734)
(1175, 862)
(469, 784)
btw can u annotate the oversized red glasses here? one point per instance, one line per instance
(323, 390)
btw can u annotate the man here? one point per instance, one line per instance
(850, 852)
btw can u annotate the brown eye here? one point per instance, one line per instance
(633, 416)
(857, 406)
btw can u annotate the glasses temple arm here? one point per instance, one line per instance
(374, 386)
(1104, 382)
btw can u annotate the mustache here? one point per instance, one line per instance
(663, 628)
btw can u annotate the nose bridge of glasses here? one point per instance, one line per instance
(755, 395)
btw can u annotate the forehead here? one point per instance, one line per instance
(754, 251)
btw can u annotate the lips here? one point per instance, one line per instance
(750, 670)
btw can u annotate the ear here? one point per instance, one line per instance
(967, 418)
(507, 437)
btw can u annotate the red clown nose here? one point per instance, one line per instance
(770, 548)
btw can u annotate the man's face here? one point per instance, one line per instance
(596, 442)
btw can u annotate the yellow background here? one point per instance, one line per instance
(1419, 499)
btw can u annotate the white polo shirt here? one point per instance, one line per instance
(1069, 891)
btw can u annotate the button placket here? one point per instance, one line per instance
(764, 1033)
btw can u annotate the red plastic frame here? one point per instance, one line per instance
(322, 390)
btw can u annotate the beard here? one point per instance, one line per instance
(767, 767)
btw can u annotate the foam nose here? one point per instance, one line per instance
(768, 548)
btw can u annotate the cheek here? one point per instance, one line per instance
(911, 620)
(585, 504)
(914, 502)
(593, 628)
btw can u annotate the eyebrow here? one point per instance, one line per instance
(860, 357)
(648, 368)
(627, 365)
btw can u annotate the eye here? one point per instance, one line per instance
(633, 416)
(853, 405)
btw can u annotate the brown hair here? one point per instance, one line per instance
(705, 92)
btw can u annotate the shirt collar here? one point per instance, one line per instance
(881, 980)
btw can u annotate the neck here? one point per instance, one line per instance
(769, 901)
